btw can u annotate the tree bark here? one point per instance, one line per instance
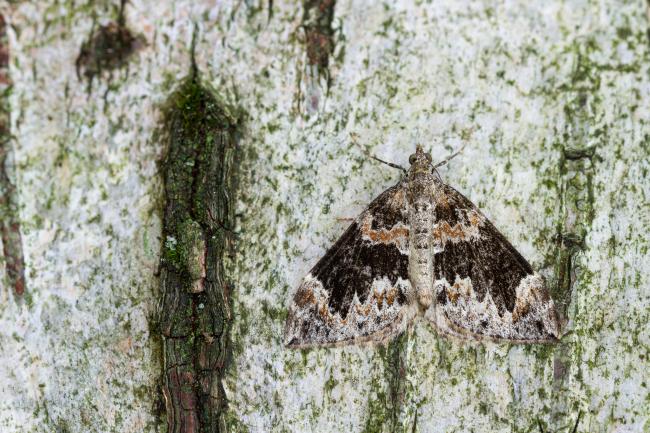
(550, 101)
(198, 224)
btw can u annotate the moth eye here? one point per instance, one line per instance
(428, 155)
(412, 159)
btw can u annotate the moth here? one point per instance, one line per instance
(421, 248)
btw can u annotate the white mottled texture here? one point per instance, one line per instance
(520, 83)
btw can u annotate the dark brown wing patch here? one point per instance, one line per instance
(357, 290)
(485, 288)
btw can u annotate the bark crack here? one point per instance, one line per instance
(200, 184)
(12, 246)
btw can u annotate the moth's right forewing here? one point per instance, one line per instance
(485, 288)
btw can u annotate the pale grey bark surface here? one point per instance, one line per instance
(525, 86)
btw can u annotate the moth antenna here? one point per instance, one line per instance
(391, 164)
(450, 157)
(353, 136)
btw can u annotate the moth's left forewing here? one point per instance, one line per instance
(357, 292)
(484, 288)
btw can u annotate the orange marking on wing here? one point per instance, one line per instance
(379, 298)
(445, 230)
(305, 296)
(525, 299)
(459, 231)
(363, 310)
(458, 289)
(520, 310)
(386, 296)
(384, 236)
(453, 295)
(475, 219)
(391, 295)
(324, 312)
(454, 292)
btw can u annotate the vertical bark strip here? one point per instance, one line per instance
(200, 182)
(577, 170)
(9, 224)
(396, 373)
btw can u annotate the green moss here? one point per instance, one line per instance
(378, 416)
(387, 402)
(276, 314)
(200, 184)
(197, 119)
(233, 425)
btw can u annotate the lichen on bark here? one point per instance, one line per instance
(200, 186)
(502, 78)
(448, 74)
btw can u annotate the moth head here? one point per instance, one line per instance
(420, 160)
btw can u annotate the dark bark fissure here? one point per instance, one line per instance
(194, 316)
(12, 246)
(319, 34)
(396, 367)
(387, 409)
(415, 423)
(577, 166)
